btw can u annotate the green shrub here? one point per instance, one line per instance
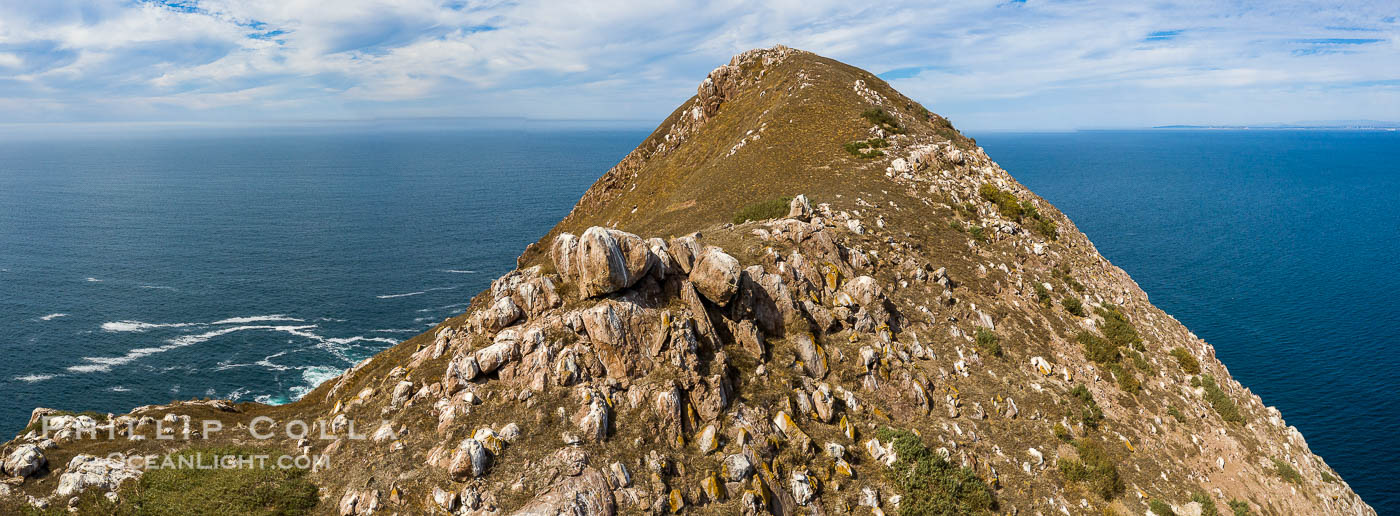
(1062, 433)
(1240, 507)
(1073, 306)
(1117, 329)
(1018, 210)
(1285, 471)
(1327, 477)
(269, 490)
(1220, 401)
(1042, 296)
(987, 340)
(883, 120)
(1127, 381)
(867, 148)
(1094, 470)
(1090, 414)
(930, 485)
(1046, 227)
(978, 233)
(1188, 362)
(1176, 414)
(1207, 504)
(763, 210)
(957, 226)
(1005, 201)
(1141, 364)
(1098, 349)
(1160, 508)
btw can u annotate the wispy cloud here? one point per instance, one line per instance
(983, 63)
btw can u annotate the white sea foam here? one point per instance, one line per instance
(391, 296)
(459, 271)
(267, 362)
(158, 287)
(130, 326)
(257, 318)
(237, 394)
(32, 378)
(395, 331)
(102, 364)
(314, 377)
(139, 326)
(118, 388)
(51, 317)
(94, 280)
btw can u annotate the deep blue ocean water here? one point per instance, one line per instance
(1280, 248)
(149, 269)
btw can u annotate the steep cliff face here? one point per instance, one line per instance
(803, 293)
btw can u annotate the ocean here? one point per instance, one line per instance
(147, 269)
(1279, 248)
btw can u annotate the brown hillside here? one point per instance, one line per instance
(913, 332)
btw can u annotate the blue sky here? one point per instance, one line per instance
(994, 65)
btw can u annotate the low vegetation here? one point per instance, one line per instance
(1098, 349)
(1042, 296)
(1020, 211)
(1094, 470)
(1127, 381)
(883, 120)
(763, 210)
(1287, 472)
(266, 491)
(1220, 401)
(930, 485)
(979, 233)
(1062, 432)
(867, 148)
(1073, 306)
(1117, 329)
(1189, 364)
(1160, 508)
(988, 341)
(1089, 412)
(1176, 414)
(1207, 504)
(1240, 508)
(1118, 349)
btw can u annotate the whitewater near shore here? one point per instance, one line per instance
(803, 293)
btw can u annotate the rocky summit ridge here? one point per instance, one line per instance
(804, 293)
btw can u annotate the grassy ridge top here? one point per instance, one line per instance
(779, 130)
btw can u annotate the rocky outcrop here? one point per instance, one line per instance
(762, 367)
(88, 472)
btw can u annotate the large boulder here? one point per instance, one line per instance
(716, 275)
(87, 471)
(812, 355)
(684, 251)
(800, 208)
(608, 260)
(586, 494)
(470, 460)
(503, 350)
(562, 253)
(24, 461)
(499, 315)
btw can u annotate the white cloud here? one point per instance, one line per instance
(1032, 65)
